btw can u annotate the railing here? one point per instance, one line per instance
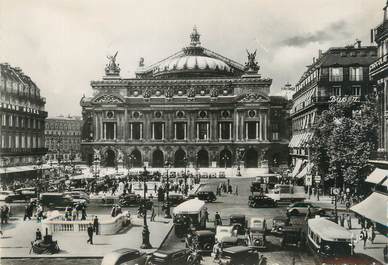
(383, 28)
(58, 223)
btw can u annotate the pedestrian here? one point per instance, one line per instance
(216, 251)
(217, 219)
(90, 234)
(74, 214)
(38, 235)
(39, 213)
(153, 214)
(372, 233)
(6, 213)
(342, 220)
(2, 214)
(113, 212)
(349, 221)
(83, 212)
(206, 214)
(118, 210)
(95, 224)
(364, 236)
(236, 191)
(26, 213)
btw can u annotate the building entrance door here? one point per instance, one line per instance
(110, 158)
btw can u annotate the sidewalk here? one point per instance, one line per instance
(16, 241)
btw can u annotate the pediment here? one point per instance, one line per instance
(108, 99)
(253, 97)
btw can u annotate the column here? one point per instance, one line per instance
(246, 131)
(96, 132)
(236, 124)
(219, 131)
(257, 131)
(114, 130)
(242, 136)
(207, 131)
(265, 127)
(101, 128)
(125, 125)
(261, 127)
(197, 135)
(153, 131)
(141, 131)
(104, 124)
(131, 131)
(174, 131)
(162, 131)
(185, 130)
(230, 131)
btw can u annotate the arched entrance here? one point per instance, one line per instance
(157, 158)
(110, 158)
(136, 158)
(225, 158)
(203, 158)
(251, 158)
(179, 158)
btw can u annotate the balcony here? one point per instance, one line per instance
(381, 31)
(379, 66)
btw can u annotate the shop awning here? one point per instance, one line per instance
(297, 167)
(304, 171)
(374, 208)
(378, 176)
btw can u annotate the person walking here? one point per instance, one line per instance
(113, 212)
(364, 236)
(372, 233)
(217, 219)
(38, 235)
(90, 234)
(95, 224)
(349, 221)
(26, 213)
(342, 220)
(153, 214)
(236, 191)
(83, 212)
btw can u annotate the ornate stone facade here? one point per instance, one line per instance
(195, 107)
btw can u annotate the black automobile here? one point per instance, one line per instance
(129, 199)
(204, 241)
(207, 196)
(278, 224)
(172, 257)
(261, 201)
(257, 186)
(23, 194)
(239, 255)
(292, 235)
(240, 222)
(124, 256)
(175, 199)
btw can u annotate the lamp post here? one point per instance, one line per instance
(185, 176)
(146, 233)
(167, 214)
(225, 158)
(130, 162)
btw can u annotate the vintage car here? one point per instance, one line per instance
(204, 240)
(224, 231)
(278, 223)
(188, 214)
(257, 186)
(207, 196)
(301, 208)
(238, 221)
(257, 232)
(125, 256)
(239, 255)
(292, 235)
(78, 196)
(5, 193)
(55, 199)
(23, 194)
(175, 199)
(129, 199)
(172, 257)
(261, 201)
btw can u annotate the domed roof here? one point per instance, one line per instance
(193, 61)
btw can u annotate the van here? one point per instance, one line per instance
(55, 199)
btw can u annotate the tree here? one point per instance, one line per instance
(344, 138)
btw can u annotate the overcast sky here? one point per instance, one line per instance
(63, 44)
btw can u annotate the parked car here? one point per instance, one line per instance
(55, 199)
(125, 256)
(224, 231)
(299, 208)
(258, 229)
(78, 196)
(239, 255)
(5, 193)
(207, 196)
(261, 201)
(292, 235)
(278, 224)
(171, 257)
(23, 194)
(129, 199)
(204, 239)
(240, 222)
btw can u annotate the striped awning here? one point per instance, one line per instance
(378, 176)
(307, 168)
(298, 165)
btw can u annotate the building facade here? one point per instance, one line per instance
(338, 75)
(63, 139)
(379, 74)
(22, 121)
(195, 108)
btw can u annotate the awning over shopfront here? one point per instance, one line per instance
(9, 170)
(300, 140)
(378, 176)
(298, 165)
(304, 171)
(374, 208)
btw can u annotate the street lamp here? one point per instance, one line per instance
(240, 153)
(225, 158)
(130, 162)
(185, 177)
(146, 233)
(167, 166)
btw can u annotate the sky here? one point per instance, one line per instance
(63, 44)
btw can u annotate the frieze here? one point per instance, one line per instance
(108, 99)
(251, 97)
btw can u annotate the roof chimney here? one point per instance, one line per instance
(357, 44)
(319, 53)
